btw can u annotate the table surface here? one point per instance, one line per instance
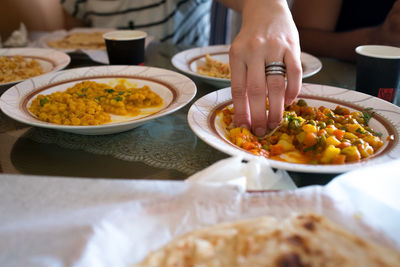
(176, 154)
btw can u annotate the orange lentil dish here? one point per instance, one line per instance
(311, 135)
(91, 103)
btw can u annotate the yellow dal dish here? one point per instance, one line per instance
(91, 103)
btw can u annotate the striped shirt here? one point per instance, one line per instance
(184, 22)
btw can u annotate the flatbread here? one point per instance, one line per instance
(301, 240)
(80, 40)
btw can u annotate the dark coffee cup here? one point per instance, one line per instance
(125, 47)
(378, 71)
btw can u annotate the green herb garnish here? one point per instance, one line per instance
(99, 98)
(80, 95)
(309, 148)
(367, 115)
(291, 118)
(110, 91)
(118, 98)
(359, 130)
(44, 101)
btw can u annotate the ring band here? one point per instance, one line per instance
(275, 64)
(275, 72)
(275, 68)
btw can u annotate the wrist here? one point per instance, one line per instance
(267, 4)
(265, 8)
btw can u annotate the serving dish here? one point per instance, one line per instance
(187, 61)
(203, 120)
(175, 89)
(49, 59)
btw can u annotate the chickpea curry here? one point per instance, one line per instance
(311, 135)
(91, 103)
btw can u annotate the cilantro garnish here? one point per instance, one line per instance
(309, 148)
(109, 91)
(99, 98)
(44, 101)
(359, 130)
(291, 118)
(367, 115)
(80, 95)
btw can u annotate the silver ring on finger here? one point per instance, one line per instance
(275, 72)
(275, 64)
(275, 68)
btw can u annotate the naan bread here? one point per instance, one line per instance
(80, 40)
(302, 240)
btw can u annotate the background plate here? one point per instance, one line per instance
(204, 122)
(176, 90)
(51, 60)
(188, 60)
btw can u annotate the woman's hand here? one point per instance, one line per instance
(268, 34)
(389, 32)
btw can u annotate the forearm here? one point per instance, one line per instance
(41, 15)
(340, 45)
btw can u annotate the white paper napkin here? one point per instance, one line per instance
(256, 174)
(60, 221)
(374, 192)
(18, 38)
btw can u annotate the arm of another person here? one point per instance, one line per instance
(268, 34)
(37, 15)
(316, 21)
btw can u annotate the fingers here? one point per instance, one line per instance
(294, 76)
(266, 35)
(257, 95)
(276, 87)
(276, 97)
(238, 88)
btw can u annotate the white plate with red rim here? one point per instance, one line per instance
(187, 61)
(175, 89)
(49, 59)
(203, 120)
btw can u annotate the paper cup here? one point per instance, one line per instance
(125, 47)
(378, 71)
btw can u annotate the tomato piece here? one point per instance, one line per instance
(276, 149)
